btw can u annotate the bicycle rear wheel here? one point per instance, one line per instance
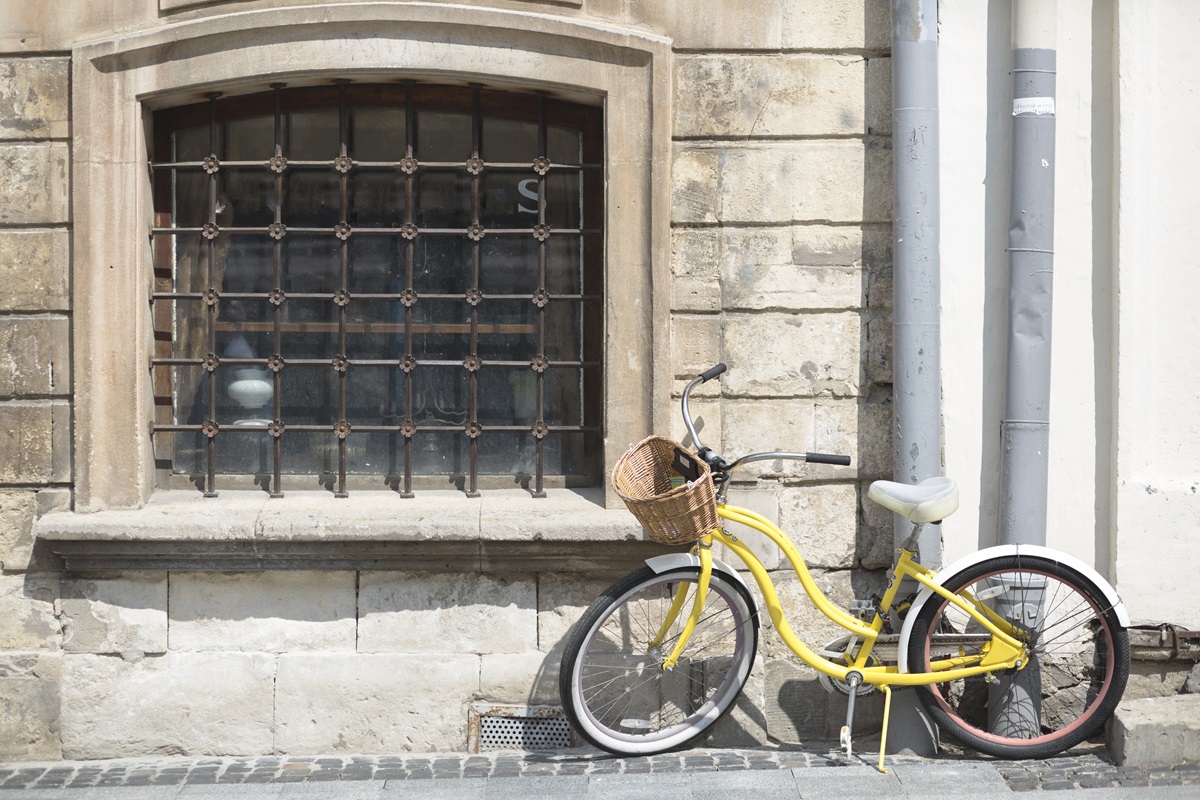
(613, 687)
(1074, 679)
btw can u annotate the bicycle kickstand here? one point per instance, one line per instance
(855, 680)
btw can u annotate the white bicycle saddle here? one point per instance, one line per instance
(931, 500)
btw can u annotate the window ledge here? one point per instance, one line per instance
(506, 531)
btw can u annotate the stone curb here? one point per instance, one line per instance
(1082, 769)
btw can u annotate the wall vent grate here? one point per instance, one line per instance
(499, 727)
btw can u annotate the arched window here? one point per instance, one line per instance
(401, 281)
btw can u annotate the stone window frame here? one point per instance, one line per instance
(117, 82)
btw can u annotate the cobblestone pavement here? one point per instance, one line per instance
(1083, 768)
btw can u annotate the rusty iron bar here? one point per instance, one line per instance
(475, 170)
(341, 164)
(210, 486)
(277, 314)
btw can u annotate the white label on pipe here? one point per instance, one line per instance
(1033, 105)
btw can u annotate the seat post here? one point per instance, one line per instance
(912, 542)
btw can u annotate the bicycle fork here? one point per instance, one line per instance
(704, 552)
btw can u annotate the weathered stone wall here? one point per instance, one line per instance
(35, 391)
(780, 171)
(301, 662)
(782, 264)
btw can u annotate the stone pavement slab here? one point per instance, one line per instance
(648, 786)
(936, 779)
(757, 784)
(848, 781)
(536, 787)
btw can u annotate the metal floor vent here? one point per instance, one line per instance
(498, 727)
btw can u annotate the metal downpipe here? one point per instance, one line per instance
(916, 320)
(1025, 429)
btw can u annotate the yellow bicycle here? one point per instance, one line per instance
(1018, 651)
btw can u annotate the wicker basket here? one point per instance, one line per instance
(671, 511)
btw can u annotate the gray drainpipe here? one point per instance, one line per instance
(916, 382)
(1025, 429)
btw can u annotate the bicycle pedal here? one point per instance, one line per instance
(844, 738)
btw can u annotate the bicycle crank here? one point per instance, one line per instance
(885, 650)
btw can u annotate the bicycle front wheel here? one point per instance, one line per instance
(1078, 666)
(613, 687)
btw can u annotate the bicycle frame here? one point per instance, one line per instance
(1004, 651)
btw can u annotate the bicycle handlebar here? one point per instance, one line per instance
(719, 463)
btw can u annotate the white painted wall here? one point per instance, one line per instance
(1124, 488)
(1157, 495)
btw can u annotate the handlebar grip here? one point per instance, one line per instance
(826, 458)
(712, 372)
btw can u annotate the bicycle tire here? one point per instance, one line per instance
(1066, 692)
(613, 689)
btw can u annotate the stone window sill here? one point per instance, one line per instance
(505, 531)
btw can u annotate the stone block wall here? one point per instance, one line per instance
(780, 233)
(301, 662)
(305, 662)
(781, 244)
(35, 391)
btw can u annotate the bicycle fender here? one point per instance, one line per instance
(971, 560)
(670, 561)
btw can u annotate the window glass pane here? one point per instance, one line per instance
(244, 328)
(443, 200)
(312, 338)
(246, 197)
(509, 200)
(249, 139)
(376, 267)
(563, 145)
(441, 264)
(562, 200)
(508, 265)
(191, 199)
(441, 396)
(312, 136)
(311, 264)
(370, 391)
(376, 199)
(311, 198)
(248, 263)
(507, 453)
(440, 453)
(563, 331)
(375, 454)
(369, 332)
(561, 400)
(377, 134)
(191, 144)
(508, 330)
(309, 453)
(564, 264)
(191, 397)
(308, 395)
(443, 137)
(509, 141)
(441, 330)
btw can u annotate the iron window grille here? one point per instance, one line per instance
(413, 267)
